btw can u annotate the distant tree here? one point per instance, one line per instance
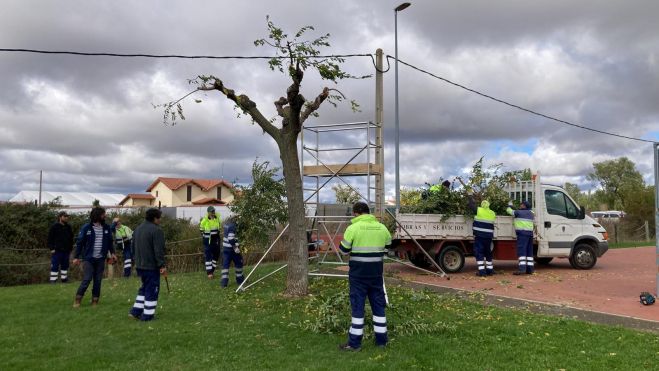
(618, 179)
(96, 203)
(294, 56)
(640, 207)
(345, 194)
(259, 207)
(582, 199)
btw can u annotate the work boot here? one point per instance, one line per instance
(94, 302)
(347, 348)
(77, 301)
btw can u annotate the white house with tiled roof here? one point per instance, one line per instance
(168, 192)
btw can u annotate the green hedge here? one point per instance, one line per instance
(24, 255)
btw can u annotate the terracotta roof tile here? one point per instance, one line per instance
(176, 183)
(209, 201)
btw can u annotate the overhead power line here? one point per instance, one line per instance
(517, 106)
(171, 56)
(180, 56)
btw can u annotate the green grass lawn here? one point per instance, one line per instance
(200, 326)
(622, 245)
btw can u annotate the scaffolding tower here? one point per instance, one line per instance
(362, 158)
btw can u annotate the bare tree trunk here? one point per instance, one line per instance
(298, 257)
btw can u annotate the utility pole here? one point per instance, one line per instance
(40, 183)
(379, 138)
(399, 8)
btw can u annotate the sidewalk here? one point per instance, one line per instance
(612, 287)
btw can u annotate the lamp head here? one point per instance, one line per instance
(402, 7)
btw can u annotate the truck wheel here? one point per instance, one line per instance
(544, 261)
(451, 259)
(583, 257)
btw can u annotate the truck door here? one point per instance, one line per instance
(561, 222)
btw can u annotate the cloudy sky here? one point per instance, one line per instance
(90, 125)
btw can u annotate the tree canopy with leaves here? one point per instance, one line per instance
(294, 56)
(618, 179)
(259, 207)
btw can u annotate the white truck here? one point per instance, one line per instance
(562, 230)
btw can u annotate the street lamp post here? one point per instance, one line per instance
(399, 8)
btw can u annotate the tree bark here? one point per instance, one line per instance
(297, 280)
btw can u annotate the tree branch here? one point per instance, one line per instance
(313, 106)
(246, 104)
(281, 110)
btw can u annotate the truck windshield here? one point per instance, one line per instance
(559, 204)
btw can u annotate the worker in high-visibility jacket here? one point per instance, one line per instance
(483, 228)
(231, 252)
(123, 237)
(210, 227)
(365, 240)
(524, 230)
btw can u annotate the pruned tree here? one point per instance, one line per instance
(293, 57)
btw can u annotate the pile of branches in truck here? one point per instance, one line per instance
(451, 197)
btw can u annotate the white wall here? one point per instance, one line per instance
(195, 213)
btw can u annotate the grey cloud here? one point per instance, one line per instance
(588, 62)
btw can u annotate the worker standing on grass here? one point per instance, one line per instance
(210, 227)
(365, 240)
(524, 230)
(231, 252)
(94, 242)
(149, 249)
(60, 243)
(122, 238)
(483, 228)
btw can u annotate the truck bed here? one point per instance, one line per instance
(431, 226)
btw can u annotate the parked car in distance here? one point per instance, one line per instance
(611, 215)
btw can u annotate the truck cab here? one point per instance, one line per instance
(564, 230)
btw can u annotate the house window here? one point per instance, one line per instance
(156, 193)
(189, 193)
(219, 192)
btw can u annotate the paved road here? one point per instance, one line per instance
(612, 286)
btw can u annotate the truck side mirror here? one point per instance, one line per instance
(582, 213)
